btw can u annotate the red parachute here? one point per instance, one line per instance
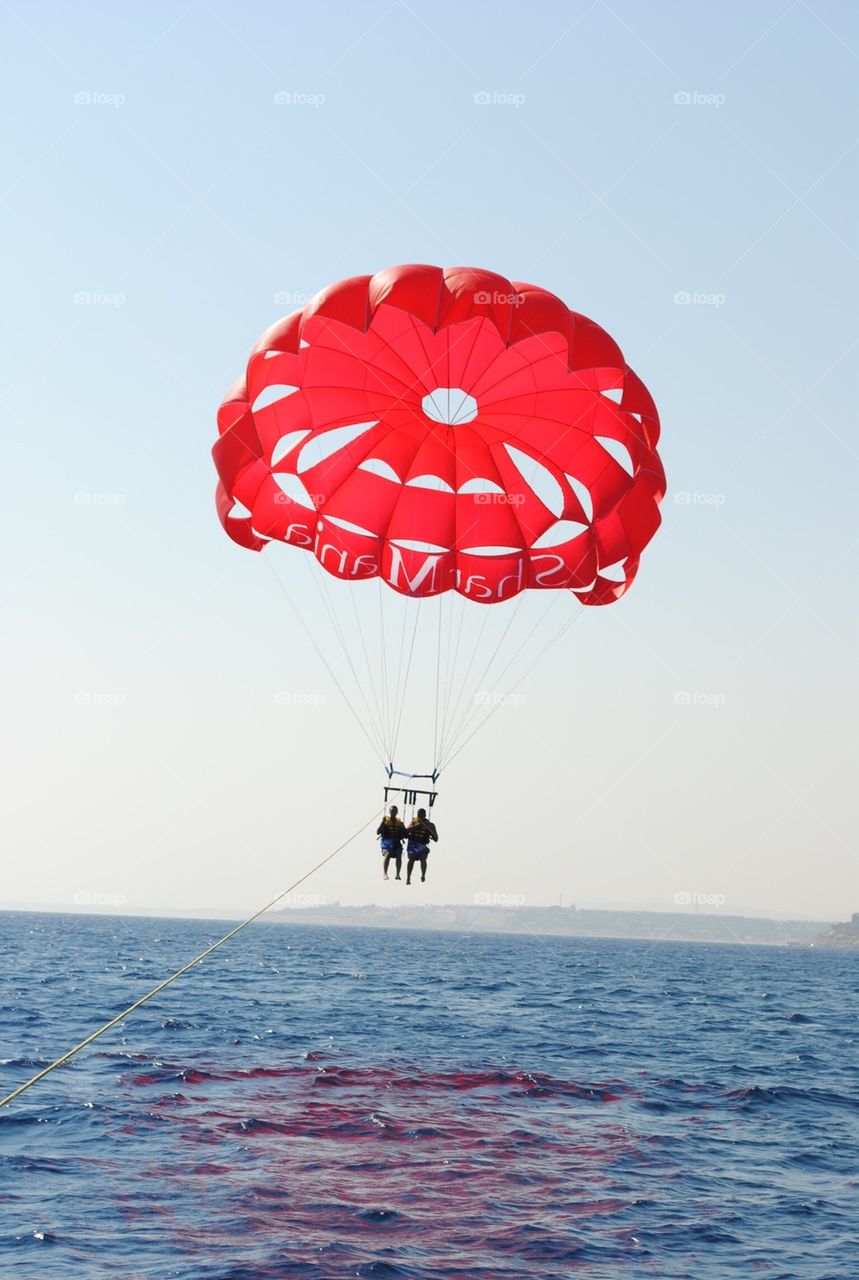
(444, 429)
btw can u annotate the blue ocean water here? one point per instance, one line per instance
(337, 1103)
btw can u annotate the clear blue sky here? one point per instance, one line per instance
(161, 207)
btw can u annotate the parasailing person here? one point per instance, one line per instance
(392, 832)
(419, 833)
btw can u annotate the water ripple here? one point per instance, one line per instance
(490, 1111)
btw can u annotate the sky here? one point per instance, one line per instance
(177, 177)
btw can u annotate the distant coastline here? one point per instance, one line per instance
(844, 935)
(712, 926)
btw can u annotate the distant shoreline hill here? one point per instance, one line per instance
(844, 935)
(677, 926)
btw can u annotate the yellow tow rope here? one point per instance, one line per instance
(94, 1035)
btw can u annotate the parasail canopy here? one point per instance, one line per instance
(444, 429)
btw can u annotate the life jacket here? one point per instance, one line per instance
(419, 838)
(392, 833)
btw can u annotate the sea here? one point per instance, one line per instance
(313, 1103)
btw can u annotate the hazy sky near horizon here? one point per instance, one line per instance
(176, 177)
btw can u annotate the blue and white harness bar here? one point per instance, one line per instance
(410, 794)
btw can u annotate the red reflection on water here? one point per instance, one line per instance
(314, 1157)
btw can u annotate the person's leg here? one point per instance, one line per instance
(399, 864)
(409, 866)
(423, 868)
(385, 865)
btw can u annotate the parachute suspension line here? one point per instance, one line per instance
(402, 699)
(392, 669)
(396, 699)
(440, 674)
(383, 661)
(448, 672)
(376, 697)
(325, 596)
(440, 679)
(550, 644)
(468, 712)
(374, 745)
(322, 586)
(435, 743)
(149, 995)
(570, 622)
(464, 685)
(453, 662)
(473, 714)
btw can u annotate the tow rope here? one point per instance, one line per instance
(94, 1035)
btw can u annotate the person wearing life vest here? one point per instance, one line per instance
(419, 833)
(392, 832)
